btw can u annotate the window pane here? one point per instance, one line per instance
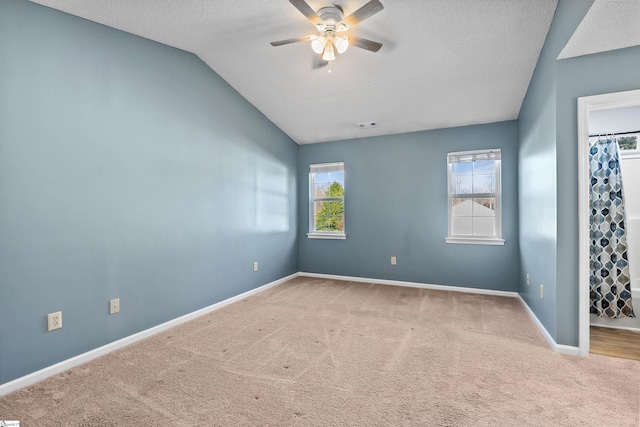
(484, 167)
(461, 207)
(461, 226)
(329, 216)
(484, 207)
(329, 177)
(628, 142)
(461, 168)
(484, 183)
(337, 176)
(461, 184)
(321, 177)
(335, 190)
(321, 190)
(484, 226)
(328, 184)
(327, 181)
(473, 174)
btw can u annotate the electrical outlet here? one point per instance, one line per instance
(541, 291)
(528, 280)
(393, 260)
(54, 321)
(255, 266)
(114, 306)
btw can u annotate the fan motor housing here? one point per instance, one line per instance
(331, 15)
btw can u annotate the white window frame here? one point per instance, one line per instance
(313, 233)
(477, 240)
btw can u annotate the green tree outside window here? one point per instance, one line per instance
(330, 215)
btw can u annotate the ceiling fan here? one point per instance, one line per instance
(331, 23)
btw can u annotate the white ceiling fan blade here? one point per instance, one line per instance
(366, 11)
(364, 44)
(306, 10)
(294, 40)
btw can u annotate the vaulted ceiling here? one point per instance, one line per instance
(443, 63)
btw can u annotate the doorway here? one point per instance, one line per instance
(590, 108)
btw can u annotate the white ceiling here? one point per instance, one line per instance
(609, 25)
(444, 63)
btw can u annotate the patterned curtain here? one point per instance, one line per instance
(609, 265)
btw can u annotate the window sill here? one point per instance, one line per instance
(331, 236)
(475, 241)
(631, 154)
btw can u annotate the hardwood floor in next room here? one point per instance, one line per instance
(615, 342)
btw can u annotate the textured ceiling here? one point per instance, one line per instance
(444, 63)
(609, 25)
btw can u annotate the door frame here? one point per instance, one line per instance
(587, 104)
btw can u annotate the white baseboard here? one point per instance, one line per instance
(559, 348)
(64, 365)
(412, 284)
(567, 349)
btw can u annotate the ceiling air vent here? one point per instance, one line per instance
(367, 125)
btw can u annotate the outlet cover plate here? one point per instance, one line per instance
(114, 306)
(54, 321)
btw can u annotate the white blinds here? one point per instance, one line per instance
(327, 167)
(473, 156)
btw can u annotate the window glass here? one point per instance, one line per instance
(326, 197)
(474, 195)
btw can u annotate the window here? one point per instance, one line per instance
(474, 197)
(326, 201)
(627, 142)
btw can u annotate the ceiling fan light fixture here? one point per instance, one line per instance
(331, 25)
(319, 44)
(341, 44)
(329, 54)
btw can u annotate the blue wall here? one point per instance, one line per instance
(606, 72)
(538, 178)
(549, 167)
(396, 205)
(128, 170)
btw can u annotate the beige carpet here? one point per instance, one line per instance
(314, 352)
